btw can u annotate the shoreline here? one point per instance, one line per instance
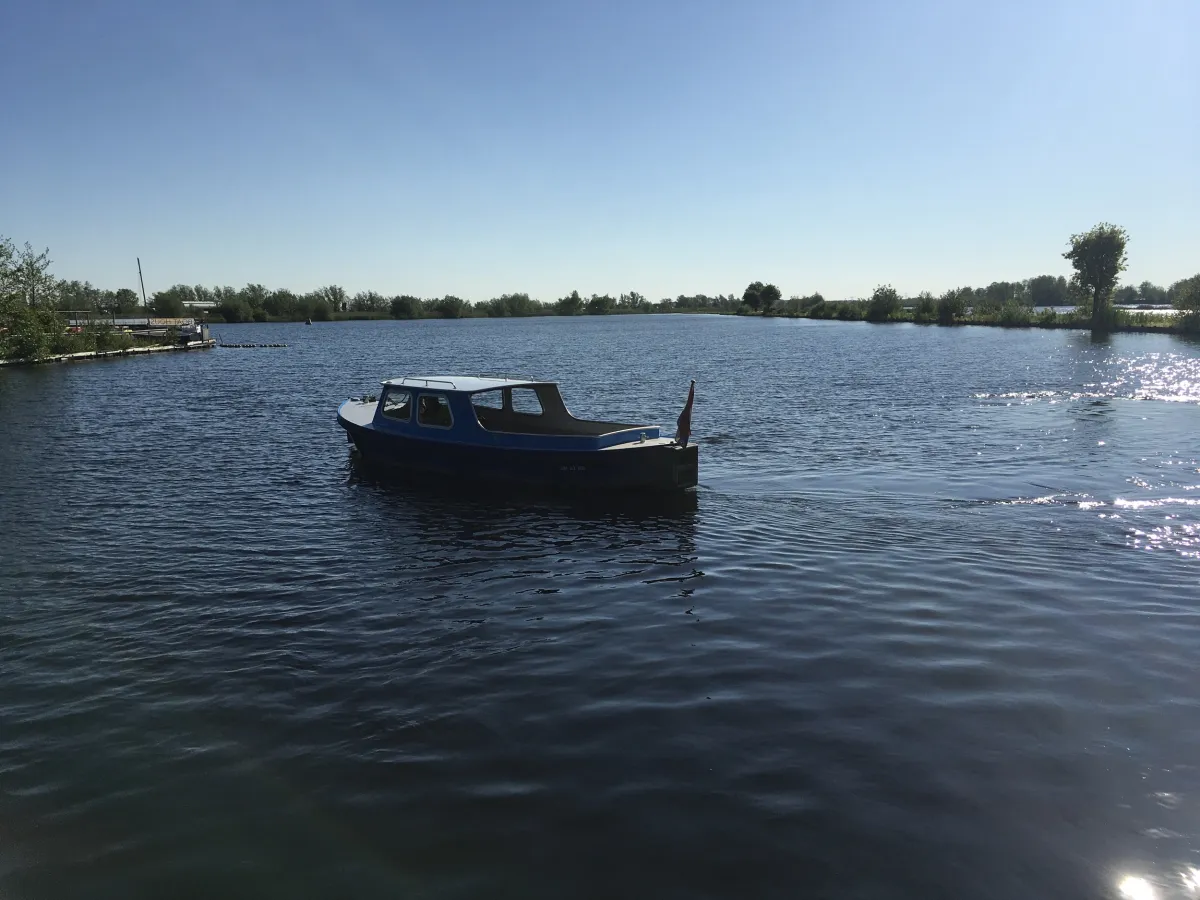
(1183, 326)
(87, 355)
(1130, 327)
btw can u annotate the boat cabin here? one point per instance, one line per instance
(497, 411)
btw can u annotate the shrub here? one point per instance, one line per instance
(884, 304)
(851, 310)
(926, 309)
(1013, 313)
(106, 339)
(950, 306)
(28, 332)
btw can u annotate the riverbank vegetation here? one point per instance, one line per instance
(257, 303)
(33, 302)
(32, 324)
(1089, 300)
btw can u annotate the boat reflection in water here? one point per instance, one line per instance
(462, 517)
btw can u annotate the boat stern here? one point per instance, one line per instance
(685, 467)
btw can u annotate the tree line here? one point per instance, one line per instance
(1041, 291)
(257, 303)
(32, 299)
(1091, 296)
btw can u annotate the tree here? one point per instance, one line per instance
(8, 268)
(255, 296)
(1151, 293)
(601, 306)
(570, 305)
(770, 297)
(233, 307)
(78, 295)
(171, 301)
(1185, 295)
(319, 306)
(952, 305)
(510, 305)
(335, 296)
(761, 297)
(30, 327)
(884, 304)
(926, 308)
(124, 300)
(752, 296)
(1047, 290)
(633, 302)
(30, 276)
(1099, 258)
(1125, 295)
(282, 304)
(450, 307)
(406, 307)
(368, 301)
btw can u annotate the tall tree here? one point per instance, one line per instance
(1099, 258)
(770, 297)
(335, 296)
(570, 305)
(31, 276)
(752, 296)
(8, 263)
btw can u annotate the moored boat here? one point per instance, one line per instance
(513, 430)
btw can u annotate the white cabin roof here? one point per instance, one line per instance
(462, 383)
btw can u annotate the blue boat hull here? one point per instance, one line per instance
(657, 467)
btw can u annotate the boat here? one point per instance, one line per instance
(516, 431)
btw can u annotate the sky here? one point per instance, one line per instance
(481, 148)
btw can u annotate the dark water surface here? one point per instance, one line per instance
(927, 629)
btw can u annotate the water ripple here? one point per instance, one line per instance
(927, 628)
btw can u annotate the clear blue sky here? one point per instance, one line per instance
(479, 148)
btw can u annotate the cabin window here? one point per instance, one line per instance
(434, 410)
(488, 400)
(397, 404)
(526, 402)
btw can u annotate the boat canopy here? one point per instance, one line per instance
(461, 384)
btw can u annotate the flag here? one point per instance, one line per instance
(683, 429)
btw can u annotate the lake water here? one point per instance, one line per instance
(927, 629)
